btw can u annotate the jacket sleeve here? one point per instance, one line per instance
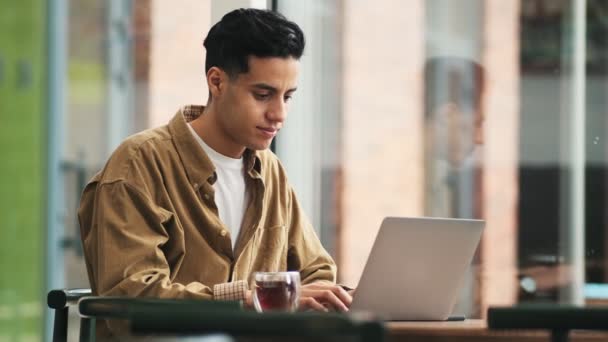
(305, 252)
(126, 238)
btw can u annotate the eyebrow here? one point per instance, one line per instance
(268, 87)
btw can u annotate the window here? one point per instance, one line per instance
(482, 109)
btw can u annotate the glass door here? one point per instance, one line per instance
(91, 112)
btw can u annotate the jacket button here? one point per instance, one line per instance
(223, 233)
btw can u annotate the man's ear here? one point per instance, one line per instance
(216, 80)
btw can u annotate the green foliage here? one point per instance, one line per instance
(22, 170)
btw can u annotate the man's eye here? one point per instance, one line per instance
(262, 97)
(287, 98)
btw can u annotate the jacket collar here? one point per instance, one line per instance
(197, 164)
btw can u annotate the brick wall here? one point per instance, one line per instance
(382, 137)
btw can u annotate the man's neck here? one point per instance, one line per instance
(209, 129)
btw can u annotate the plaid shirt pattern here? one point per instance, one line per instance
(231, 291)
(192, 112)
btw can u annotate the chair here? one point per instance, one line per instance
(60, 301)
(93, 307)
(559, 319)
(188, 318)
(194, 317)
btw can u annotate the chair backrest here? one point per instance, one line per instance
(284, 326)
(177, 317)
(125, 308)
(60, 300)
(559, 319)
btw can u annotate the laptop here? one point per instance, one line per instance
(416, 268)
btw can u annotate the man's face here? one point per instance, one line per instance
(254, 105)
(459, 132)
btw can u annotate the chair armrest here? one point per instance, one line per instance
(59, 299)
(548, 317)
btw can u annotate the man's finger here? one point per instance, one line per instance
(335, 300)
(327, 297)
(343, 296)
(311, 303)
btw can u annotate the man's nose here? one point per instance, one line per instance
(277, 111)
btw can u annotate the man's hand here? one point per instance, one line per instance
(248, 302)
(324, 297)
(317, 296)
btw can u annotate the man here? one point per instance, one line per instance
(192, 209)
(453, 139)
(453, 136)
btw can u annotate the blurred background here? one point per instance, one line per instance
(474, 109)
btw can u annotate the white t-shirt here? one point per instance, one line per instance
(230, 191)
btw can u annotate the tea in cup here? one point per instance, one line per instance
(276, 291)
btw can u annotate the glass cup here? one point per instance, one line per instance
(276, 291)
